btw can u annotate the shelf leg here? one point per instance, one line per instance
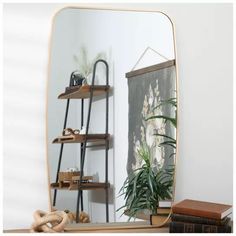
(107, 205)
(81, 147)
(82, 201)
(106, 179)
(61, 151)
(77, 207)
(58, 170)
(107, 144)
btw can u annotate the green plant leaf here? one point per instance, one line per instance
(171, 101)
(168, 143)
(165, 136)
(172, 154)
(166, 118)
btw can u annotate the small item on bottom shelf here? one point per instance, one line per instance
(183, 227)
(199, 220)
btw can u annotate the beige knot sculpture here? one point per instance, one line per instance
(53, 222)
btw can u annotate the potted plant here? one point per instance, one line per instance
(85, 66)
(146, 186)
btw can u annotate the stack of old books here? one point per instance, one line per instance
(191, 216)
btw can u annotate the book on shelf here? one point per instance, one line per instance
(202, 209)
(183, 227)
(199, 220)
(165, 203)
(164, 210)
(159, 219)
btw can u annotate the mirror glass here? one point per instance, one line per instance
(111, 113)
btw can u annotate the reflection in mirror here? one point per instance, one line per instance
(92, 51)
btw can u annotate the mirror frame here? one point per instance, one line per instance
(95, 227)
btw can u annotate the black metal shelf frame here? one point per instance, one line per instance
(84, 146)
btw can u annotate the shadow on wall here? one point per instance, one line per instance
(98, 196)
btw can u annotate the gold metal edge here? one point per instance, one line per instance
(46, 112)
(79, 6)
(177, 99)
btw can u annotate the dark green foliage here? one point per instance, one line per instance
(144, 187)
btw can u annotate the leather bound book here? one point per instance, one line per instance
(199, 220)
(203, 209)
(183, 227)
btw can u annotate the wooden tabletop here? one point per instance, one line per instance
(124, 227)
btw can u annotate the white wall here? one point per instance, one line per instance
(26, 34)
(204, 44)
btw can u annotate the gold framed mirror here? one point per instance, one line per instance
(102, 127)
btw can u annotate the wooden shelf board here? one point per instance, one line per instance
(76, 178)
(84, 92)
(84, 186)
(80, 138)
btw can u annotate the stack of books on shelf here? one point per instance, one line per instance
(191, 216)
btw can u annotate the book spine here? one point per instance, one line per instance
(182, 227)
(198, 220)
(196, 212)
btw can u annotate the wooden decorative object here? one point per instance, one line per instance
(70, 179)
(43, 220)
(67, 177)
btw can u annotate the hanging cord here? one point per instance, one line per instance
(148, 48)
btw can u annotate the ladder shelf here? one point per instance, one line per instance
(95, 140)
